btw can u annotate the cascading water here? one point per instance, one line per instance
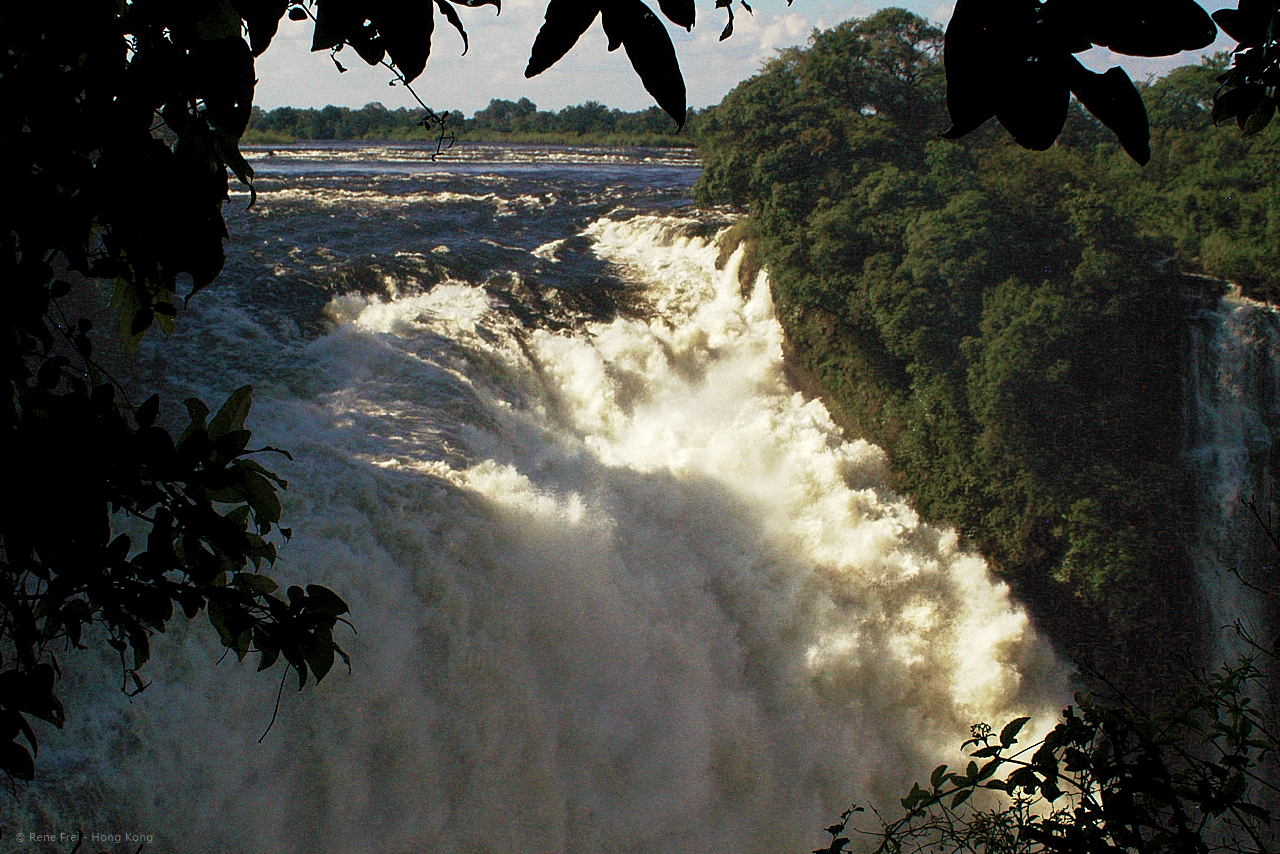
(1234, 451)
(618, 587)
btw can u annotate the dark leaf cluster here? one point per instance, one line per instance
(1014, 60)
(1189, 778)
(1247, 90)
(121, 124)
(629, 24)
(200, 511)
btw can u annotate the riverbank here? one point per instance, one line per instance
(619, 140)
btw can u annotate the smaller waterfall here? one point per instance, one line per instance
(1234, 449)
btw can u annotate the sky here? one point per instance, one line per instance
(289, 74)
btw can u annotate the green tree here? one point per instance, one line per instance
(1182, 99)
(498, 116)
(591, 117)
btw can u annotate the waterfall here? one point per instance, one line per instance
(617, 588)
(1233, 380)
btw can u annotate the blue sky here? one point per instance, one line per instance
(289, 74)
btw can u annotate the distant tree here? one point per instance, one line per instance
(523, 109)
(496, 116)
(591, 117)
(894, 59)
(652, 120)
(1183, 99)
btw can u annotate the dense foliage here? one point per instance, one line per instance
(1002, 322)
(1193, 777)
(120, 521)
(501, 121)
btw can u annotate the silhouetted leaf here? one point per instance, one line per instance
(262, 17)
(16, 761)
(566, 21)
(141, 645)
(989, 768)
(336, 22)
(325, 602)
(1115, 101)
(1009, 735)
(651, 53)
(254, 583)
(612, 31)
(727, 5)
(36, 697)
(1238, 102)
(1148, 27)
(1248, 23)
(678, 12)
(451, 15)
(224, 78)
(270, 653)
(262, 497)
(231, 415)
(320, 655)
(30, 735)
(973, 58)
(1259, 118)
(252, 465)
(1032, 105)
(405, 28)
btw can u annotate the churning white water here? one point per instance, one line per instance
(617, 590)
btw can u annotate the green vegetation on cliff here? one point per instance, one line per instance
(1006, 324)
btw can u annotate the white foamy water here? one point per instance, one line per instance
(620, 589)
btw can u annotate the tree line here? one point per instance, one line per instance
(501, 121)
